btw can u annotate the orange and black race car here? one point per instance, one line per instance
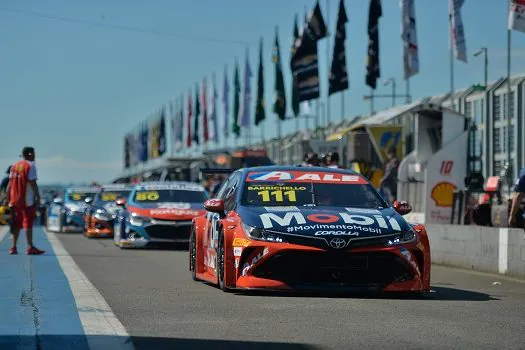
(307, 228)
(100, 215)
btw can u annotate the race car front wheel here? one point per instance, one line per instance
(193, 255)
(220, 263)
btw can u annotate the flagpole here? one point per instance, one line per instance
(279, 137)
(328, 60)
(451, 38)
(407, 90)
(342, 105)
(509, 91)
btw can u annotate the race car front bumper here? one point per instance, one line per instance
(156, 232)
(276, 266)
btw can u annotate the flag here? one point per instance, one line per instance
(295, 91)
(180, 120)
(236, 103)
(127, 151)
(517, 15)
(162, 132)
(173, 115)
(279, 101)
(144, 141)
(305, 65)
(457, 32)
(214, 132)
(226, 103)
(373, 71)
(154, 140)
(205, 131)
(338, 80)
(196, 131)
(137, 147)
(260, 113)
(188, 122)
(244, 111)
(409, 37)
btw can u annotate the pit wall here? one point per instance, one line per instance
(485, 249)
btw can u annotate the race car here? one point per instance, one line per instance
(67, 214)
(307, 229)
(157, 213)
(100, 215)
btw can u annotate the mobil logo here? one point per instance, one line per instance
(275, 220)
(270, 176)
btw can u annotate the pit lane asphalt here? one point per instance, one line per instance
(152, 294)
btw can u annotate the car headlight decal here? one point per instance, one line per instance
(403, 237)
(138, 220)
(262, 235)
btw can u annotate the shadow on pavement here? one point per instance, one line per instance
(81, 342)
(437, 293)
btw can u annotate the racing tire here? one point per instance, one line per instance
(220, 263)
(193, 255)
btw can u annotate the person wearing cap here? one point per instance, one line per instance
(24, 199)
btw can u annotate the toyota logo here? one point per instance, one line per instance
(337, 243)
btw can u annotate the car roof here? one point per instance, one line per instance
(83, 189)
(113, 187)
(174, 184)
(298, 168)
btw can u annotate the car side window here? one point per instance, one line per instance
(230, 196)
(222, 190)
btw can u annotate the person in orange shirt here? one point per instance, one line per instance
(23, 199)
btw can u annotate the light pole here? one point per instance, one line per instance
(392, 81)
(484, 51)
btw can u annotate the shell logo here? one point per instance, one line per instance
(443, 194)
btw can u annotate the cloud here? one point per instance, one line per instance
(60, 161)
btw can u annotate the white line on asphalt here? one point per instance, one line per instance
(102, 328)
(3, 232)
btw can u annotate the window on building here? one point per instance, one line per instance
(498, 164)
(468, 109)
(482, 111)
(504, 139)
(496, 108)
(497, 140)
(511, 101)
(511, 137)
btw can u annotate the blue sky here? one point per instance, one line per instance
(73, 90)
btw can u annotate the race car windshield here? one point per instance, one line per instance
(111, 196)
(311, 194)
(166, 196)
(79, 196)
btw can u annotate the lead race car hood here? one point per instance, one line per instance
(76, 206)
(325, 221)
(168, 211)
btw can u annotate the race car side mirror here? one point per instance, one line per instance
(58, 201)
(214, 205)
(402, 207)
(88, 200)
(121, 202)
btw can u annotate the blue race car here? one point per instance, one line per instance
(158, 212)
(67, 214)
(99, 216)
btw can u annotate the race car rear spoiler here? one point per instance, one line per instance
(210, 171)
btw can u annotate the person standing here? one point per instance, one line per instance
(23, 199)
(389, 179)
(3, 185)
(519, 194)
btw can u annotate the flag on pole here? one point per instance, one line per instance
(162, 132)
(517, 15)
(144, 142)
(127, 151)
(409, 37)
(205, 131)
(295, 90)
(226, 103)
(338, 80)
(305, 65)
(214, 132)
(244, 112)
(457, 31)
(260, 113)
(173, 115)
(196, 131)
(180, 128)
(373, 71)
(188, 121)
(236, 101)
(279, 100)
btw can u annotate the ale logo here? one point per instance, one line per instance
(443, 194)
